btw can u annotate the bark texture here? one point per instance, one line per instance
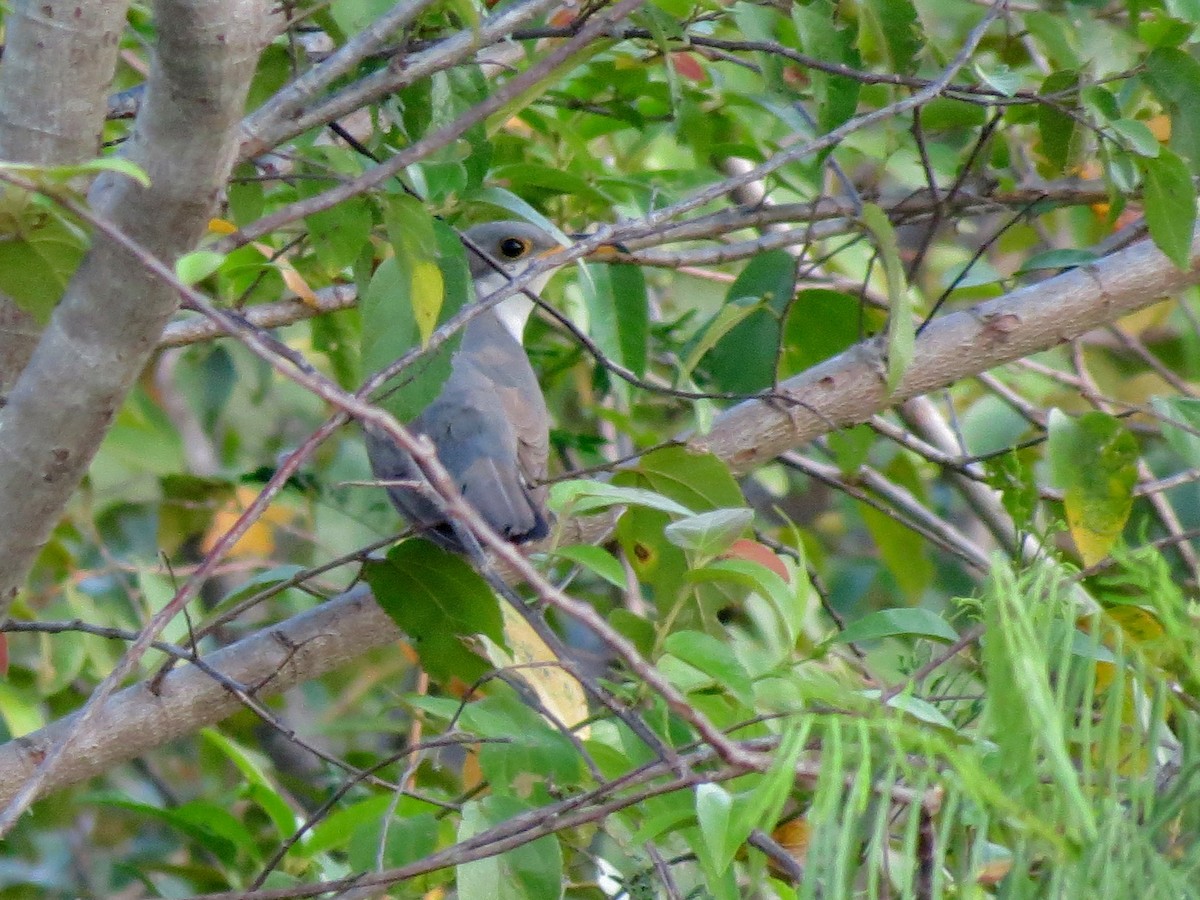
(113, 312)
(59, 60)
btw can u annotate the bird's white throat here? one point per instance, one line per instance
(514, 311)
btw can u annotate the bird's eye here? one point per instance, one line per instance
(513, 248)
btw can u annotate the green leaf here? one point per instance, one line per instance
(835, 97)
(698, 481)
(1093, 459)
(763, 805)
(37, 262)
(533, 871)
(594, 559)
(618, 316)
(1055, 124)
(436, 599)
(1174, 77)
(898, 27)
(1170, 205)
(821, 324)
(254, 771)
(1184, 437)
(581, 496)
(903, 551)
(1139, 137)
(338, 234)
(194, 267)
(915, 622)
(408, 839)
(917, 708)
(714, 658)
(901, 335)
(737, 363)
(208, 825)
(528, 752)
(713, 808)
(787, 601)
(709, 533)
(1000, 78)
(118, 164)
(725, 319)
(390, 324)
(511, 203)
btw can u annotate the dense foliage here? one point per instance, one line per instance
(919, 622)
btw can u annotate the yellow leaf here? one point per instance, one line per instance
(259, 539)
(560, 694)
(428, 291)
(221, 226)
(1093, 537)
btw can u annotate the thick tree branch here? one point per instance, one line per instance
(845, 390)
(51, 112)
(113, 311)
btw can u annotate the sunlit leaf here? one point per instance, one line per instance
(1093, 460)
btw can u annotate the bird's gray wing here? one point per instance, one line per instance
(490, 428)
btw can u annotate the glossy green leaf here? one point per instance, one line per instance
(37, 262)
(408, 838)
(254, 770)
(709, 533)
(901, 334)
(698, 481)
(596, 560)
(1170, 205)
(1056, 127)
(437, 600)
(1138, 137)
(822, 35)
(194, 267)
(390, 325)
(714, 806)
(821, 324)
(581, 497)
(713, 657)
(532, 871)
(1174, 77)
(737, 362)
(913, 623)
(1000, 78)
(529, 751)
(1181, 426)
(899, 29)
(339, 234)
(1093, 460)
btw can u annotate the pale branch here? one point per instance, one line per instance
(442, 137)
(847, 389)
(195, 329)
(270, 126)
(850, 388)
(653, 223)
(916, 207)
(112, 313)
(136, 719)
(287, 104)
(51, 113)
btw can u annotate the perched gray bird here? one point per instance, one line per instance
(489, 423)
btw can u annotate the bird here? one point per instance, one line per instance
(489, 424)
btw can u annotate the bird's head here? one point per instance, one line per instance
(514, 247)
